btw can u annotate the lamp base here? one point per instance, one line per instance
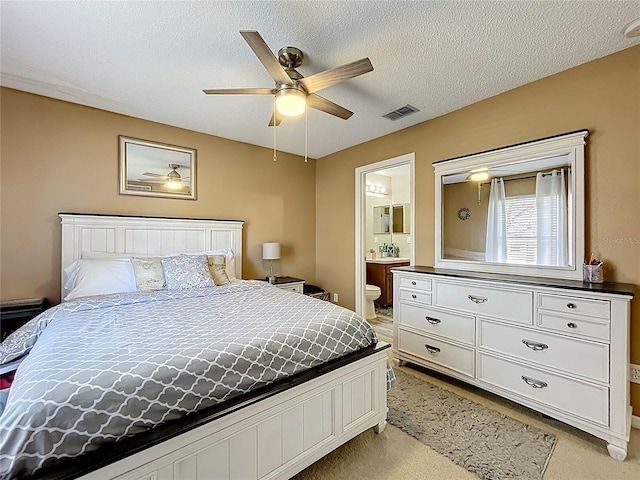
(272, 280)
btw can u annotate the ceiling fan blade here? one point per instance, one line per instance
(278, 119)
(327, 106)
(266, 56)
(240, 91)
(336, 75)
(151, 174)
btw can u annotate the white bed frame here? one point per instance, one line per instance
(273, 438)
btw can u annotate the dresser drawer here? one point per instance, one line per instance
(575, 305)
(414, 283)
(513, 305)
(443, 353)
(579, 326)
(416, 296)
(457, 327)
(570, 395)
(293, 287)
(586, 359)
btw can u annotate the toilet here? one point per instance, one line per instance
(373, 293)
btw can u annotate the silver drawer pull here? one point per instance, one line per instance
(534, 383)
(432, 350)
(413, 283)
(413, 295)
(572, 325)
(476, 299)
(432, 321)
(535, 345)
(572, 305)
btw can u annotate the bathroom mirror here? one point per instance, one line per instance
(381, 219)
(391, 218)
(400, 217)
(516, 210)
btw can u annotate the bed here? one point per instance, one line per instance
(240, 380)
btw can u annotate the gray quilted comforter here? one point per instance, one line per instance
(104, 368)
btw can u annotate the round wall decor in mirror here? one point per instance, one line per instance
(464, 213)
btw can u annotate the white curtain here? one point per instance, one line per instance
(552, 232)
(496, 241)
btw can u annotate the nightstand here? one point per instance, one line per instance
(290, 284)
(15, 313)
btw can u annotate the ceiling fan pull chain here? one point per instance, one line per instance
(306, 130)
(275, 127)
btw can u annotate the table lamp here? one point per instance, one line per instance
(271, 252)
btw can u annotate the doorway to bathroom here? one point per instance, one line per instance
(385, 218)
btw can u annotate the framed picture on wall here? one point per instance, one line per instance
(153, 169)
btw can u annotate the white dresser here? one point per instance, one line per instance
(557, 346)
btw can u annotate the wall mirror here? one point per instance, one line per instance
(400, 217)
(515, 210)
(392, 218)
(156, 169)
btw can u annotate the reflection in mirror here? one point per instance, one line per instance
(519, 209)
(400, 218)
(519, 214)
(381, 219)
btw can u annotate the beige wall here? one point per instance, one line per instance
(61, 157)
(602, 96)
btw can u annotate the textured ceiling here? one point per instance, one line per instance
(152, 59)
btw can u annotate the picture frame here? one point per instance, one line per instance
(154, 169)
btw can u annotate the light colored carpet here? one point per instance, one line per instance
(483, 441)
(394, 455)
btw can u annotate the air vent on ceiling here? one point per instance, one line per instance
(401, 112)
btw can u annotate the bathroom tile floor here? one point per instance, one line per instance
(383, 324)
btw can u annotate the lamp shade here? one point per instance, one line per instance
(270, 251)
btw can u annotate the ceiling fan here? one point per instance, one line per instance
(173, 179)
(293, 92)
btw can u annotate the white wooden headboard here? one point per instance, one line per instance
(146, 235)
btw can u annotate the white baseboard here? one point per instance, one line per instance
(635, 421)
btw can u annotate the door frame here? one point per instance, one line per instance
(361, 218)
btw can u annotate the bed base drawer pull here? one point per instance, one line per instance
(572, 325)
(432, 321)
(413, 283)
(477, 299)
(432, 350)
(534, 383)
(571, 305)
(535, 345)
(413, 295)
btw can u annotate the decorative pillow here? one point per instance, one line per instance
(187, 271)
(99, 277)
(230, 262)
(217, 265)
(148, 273)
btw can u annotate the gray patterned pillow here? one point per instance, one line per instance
(149, 273)
(187, 271)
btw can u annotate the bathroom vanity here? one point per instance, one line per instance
(379, 274)
(560, 347)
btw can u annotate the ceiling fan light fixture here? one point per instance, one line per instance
(479, 176)
(291, 102)
(174, 180)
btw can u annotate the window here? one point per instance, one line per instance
(521, 229)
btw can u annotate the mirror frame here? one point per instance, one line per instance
(571, 144)
(159, 155)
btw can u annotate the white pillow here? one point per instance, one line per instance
(99, 277)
